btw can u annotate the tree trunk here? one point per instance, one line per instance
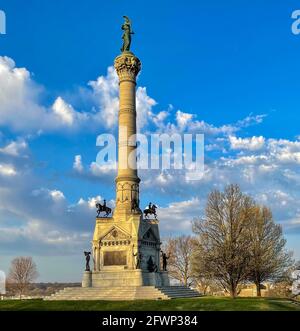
(185, 280)
(258, 291)
(233, 291)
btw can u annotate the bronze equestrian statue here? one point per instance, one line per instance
(150, 210)
(103, 208)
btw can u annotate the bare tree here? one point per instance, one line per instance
(180, 252)
(269, 261)
(202, 277)
(22, 272)
(223, 237)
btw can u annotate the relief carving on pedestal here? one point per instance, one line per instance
(115, 234)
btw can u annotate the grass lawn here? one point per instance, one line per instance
(195, 304)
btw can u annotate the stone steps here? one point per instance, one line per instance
(179, 292)
(123, 293)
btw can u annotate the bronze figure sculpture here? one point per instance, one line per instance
(135, 205)
(165, 260)
(138, 260)
(151, 266)
(150, 210)
(103, 208)
(126, 27)
(87, 261)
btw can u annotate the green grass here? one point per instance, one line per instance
(196, 304)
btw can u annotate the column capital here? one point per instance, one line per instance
(127, 66)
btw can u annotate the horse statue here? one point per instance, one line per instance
(103, 208)
(150, 210)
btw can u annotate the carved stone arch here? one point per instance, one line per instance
(127, 186)
(120, 186)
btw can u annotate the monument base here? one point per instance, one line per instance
(121, 293)
(87, 279)
(125, 278)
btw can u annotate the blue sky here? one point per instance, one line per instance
(226, 69)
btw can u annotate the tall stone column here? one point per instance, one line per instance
(127, 66)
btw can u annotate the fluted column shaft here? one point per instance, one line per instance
(127, 66)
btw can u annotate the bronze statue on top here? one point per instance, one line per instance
(126, 27)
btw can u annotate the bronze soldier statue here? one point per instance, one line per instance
(165, 259)
(87, 261)
(151, 265)
(139, 257)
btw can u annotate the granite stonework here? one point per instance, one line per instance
(126, 247)
(117, 245)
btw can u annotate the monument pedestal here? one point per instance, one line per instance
(87, 279)
(115, 278)
(165, 278)
(124, 248)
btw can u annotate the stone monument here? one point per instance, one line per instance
(124, 244)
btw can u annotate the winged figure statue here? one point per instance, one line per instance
(126, 27)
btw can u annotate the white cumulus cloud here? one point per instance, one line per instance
(64, 111)
(252, 144)
(14, 148)
(77, 165)
(7, 170)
